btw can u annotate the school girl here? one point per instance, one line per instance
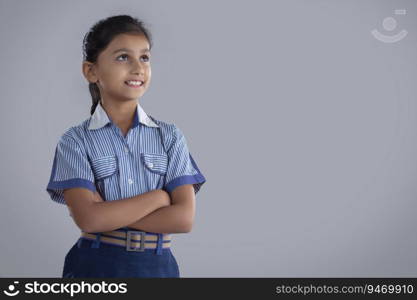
(128, 179)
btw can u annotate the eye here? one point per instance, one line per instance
(146, 57)
(123, 55)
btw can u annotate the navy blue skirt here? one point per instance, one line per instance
(87, 259)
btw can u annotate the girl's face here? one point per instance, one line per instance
(126, 58)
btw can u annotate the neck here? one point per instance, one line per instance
(120, 113)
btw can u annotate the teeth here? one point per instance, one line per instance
(134, 82)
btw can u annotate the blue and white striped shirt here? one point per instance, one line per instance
(95, 155)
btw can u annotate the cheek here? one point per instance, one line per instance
(110, 74)
(149, 77)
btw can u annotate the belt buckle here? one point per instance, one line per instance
(129, 234)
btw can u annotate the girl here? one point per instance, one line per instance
(127, 178)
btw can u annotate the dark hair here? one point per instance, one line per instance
(101, 34)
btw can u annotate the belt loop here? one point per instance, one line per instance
(159, 245)
(96, 243)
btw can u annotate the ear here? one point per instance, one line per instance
(88, 70)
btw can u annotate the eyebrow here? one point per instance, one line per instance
(128, 50)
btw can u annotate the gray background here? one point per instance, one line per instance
(304, 125)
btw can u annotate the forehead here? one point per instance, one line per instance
(133, 42)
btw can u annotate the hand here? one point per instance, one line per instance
(164, 197)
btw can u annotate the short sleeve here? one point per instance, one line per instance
(70, 169)
(182, 169)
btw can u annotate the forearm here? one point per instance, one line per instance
(169, 219)
(110, 215)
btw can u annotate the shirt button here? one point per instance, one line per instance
(130, 181)
(126, 150)
(150, 165)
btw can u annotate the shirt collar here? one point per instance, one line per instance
(100, 118)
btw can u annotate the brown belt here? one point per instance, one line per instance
(133, 240)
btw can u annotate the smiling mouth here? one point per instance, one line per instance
(134, 84)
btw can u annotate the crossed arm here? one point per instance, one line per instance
(178, 217)
(175, 218)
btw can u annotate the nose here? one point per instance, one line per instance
(137, 68)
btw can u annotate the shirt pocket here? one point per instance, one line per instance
(155, 163)
(104, 166)
(104, 170)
